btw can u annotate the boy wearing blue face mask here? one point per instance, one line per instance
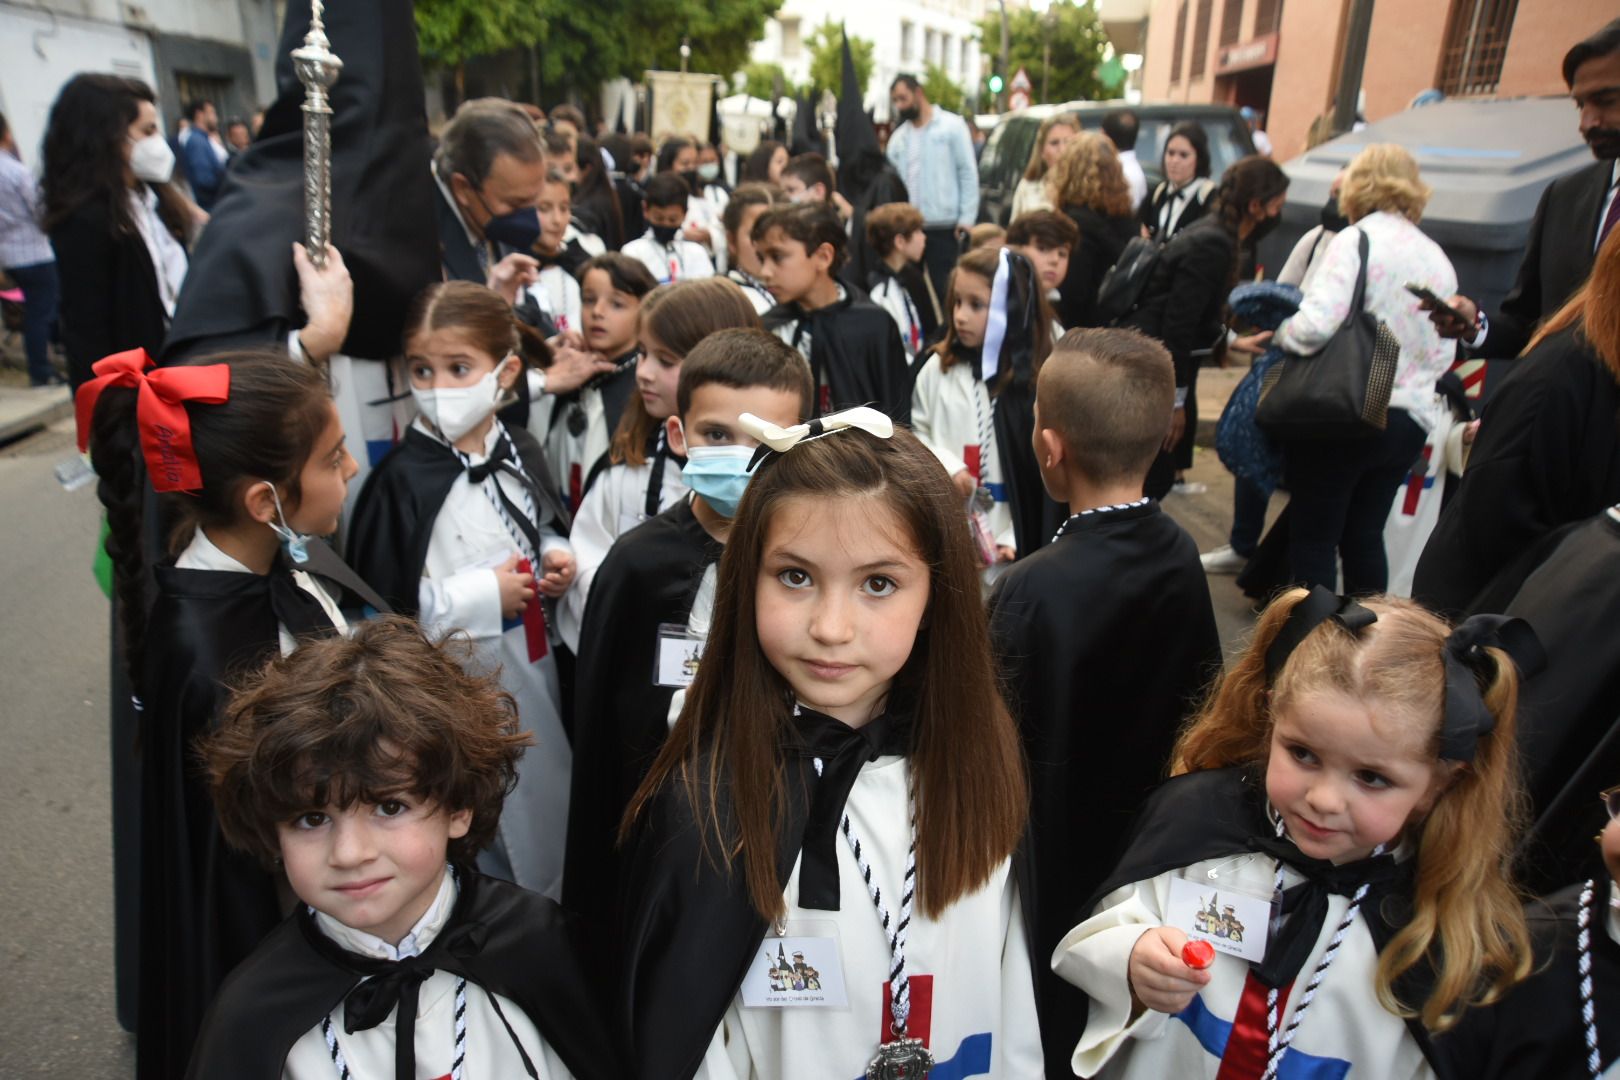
(649, 606)
(669, 255)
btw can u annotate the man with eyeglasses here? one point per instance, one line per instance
(1575, 213)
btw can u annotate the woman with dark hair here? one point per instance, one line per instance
(1183, 196)
(1183, 300)
(679, 155)
(116, 224)
(596, 206)
(765, 164)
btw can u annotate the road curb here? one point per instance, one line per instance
(26, 410)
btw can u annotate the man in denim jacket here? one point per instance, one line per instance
(933, 152)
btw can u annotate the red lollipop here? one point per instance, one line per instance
(1198, 955)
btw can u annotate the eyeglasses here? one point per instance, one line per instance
(1611, 801)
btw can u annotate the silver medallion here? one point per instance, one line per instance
(903, 1059)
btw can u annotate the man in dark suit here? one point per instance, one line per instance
(1575, 213)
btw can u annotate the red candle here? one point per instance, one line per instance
(1198, 955)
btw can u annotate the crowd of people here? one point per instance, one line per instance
(599, 620)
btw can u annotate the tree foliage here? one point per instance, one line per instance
(943, 91)
(760, 80)
(1078, 47)
(826, 47)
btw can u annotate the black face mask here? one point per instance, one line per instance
(519, 229)
(910, 113)
(1263, 229)
(1333, 219)
(666, 234)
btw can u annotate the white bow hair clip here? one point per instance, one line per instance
(781, 440)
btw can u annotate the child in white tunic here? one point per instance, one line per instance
(666, 254)
(641, 477)
(576, 428)
(756, 941)
(1355, 757)
(556, 290)
(362, 787)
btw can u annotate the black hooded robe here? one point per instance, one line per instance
(505, 939)
(856, 356)
(1111, 621)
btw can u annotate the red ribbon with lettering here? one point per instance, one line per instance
(160, 411)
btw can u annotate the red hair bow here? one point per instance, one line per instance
(160, 411)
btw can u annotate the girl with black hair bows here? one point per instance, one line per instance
(1339, 827)
(248, 454)
(974, 399)
(816, 794)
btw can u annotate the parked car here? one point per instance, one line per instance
(1006, 154)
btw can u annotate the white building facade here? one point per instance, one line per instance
(907, 36)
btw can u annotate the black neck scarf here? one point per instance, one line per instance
(295, 607)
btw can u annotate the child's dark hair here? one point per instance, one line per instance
(267, 430)
(747, 195)
(983, 262)
(812, 169)
(744, 358)
(678, 316)
(667, 189)
(1046, 229)
(1108, 394)
(480, 314)
(625, 273)
(886, 224)
(811, 224)
(381, 714)
(724, 756)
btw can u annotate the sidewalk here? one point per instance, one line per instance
(24, 409)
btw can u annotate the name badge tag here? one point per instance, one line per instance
(801, 970)
(678, 654)
(1233, 922)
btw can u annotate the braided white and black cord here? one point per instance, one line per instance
(492, 492)
(987, 431)
(1583, 941)
(342, 1065)
(1143, 501)
(332, 1048)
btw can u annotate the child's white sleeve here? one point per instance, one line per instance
(591, 536)
(469, 600)
(1096, 955)
(924, 401)
(1020, 1030)
(702, 265)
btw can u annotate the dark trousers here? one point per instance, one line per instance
(940, 253)
(1339, 498)
(1249, 502)
(40, 295)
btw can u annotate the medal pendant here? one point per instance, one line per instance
(903, 1059)
(576, 421)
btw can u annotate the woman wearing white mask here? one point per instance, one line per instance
(116, 223)
(461, 526)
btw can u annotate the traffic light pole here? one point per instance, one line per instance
(1001, 102)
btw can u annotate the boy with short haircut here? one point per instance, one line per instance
(663, 250)
(808, 178)
(898, 284)
(1106, 637)
(649, 604)
(853, 347)
(363, 766)
(1047, 239)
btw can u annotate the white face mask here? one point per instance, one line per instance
(151, 159)
(456, 410)
(708, 171)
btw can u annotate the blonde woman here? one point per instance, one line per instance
(1034, 192)
(1089, 186)
(1341, 490)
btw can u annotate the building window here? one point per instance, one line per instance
(792, 37)
(967, 61)
(1267, 17)
(947, 55)
(1231, 22)
(1200, 41)
(930, 46)
(1179, 46)
(1476, 43)
(908, 42)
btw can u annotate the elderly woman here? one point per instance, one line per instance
(1034, 191)
(1340, 490)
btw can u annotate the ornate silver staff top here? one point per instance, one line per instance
(318, 69)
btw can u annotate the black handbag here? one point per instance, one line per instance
(1342, 390)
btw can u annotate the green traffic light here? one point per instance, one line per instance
(995, 84)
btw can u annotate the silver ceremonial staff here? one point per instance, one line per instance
(317, 67)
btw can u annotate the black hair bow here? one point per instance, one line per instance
(1468, 665)
(1320, 605)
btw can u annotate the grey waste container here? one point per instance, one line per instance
(1487, 162)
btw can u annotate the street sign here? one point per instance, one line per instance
(1017, 99)
(1021, 81)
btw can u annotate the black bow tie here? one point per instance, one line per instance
(294, 607)
(1306, 904)
(842, 750)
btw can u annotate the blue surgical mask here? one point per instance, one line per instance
(297, 544)
(719, 474)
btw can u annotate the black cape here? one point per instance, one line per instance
(1536, 1030)
(204, 906)
(1111, 621)
(650, 577)
(1548, 453)
(1569, 713)
(509, 941)
(393, 518)
(241, 287)
(856, 356)
(1220, 812)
